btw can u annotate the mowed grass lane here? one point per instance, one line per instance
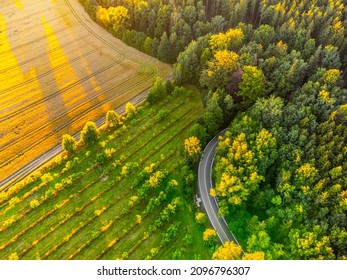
(59, 69)
(97, 219)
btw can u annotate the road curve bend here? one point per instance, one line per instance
(205, 184)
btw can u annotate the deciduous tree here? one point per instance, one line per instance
(112, 119)
(228, 251)
(90, 133)
(68, 143)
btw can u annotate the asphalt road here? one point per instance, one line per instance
(205, 183)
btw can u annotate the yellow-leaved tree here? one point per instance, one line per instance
(103, 16)
(210, 236)
(254, 256)
(220, 68)
(119, 17)
(200, 218)
(228, 251)
(130, 110)
(232, 39)
(192, 148)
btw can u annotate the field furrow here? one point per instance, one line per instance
(59, 69)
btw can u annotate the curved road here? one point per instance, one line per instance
(205, 183)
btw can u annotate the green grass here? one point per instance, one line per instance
(91, 217)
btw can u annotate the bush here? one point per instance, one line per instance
(34, 203)
(200, 218)
(161, 115)
(46, 178)
(90, 133)
(101, 158)
(50, 193)
(13, 256)
(180, 91)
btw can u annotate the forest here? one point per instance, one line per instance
(274, 73)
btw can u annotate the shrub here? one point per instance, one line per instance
(13, 256)
(34, 203)
(46, 178)
(14, 201)
(101, 158)
(133, 200)
(161, 115)
(50, 193)
(58, 186)
(180, 91)
(200, 218)
(3, 196)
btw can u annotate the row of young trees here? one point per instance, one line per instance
(90, 133)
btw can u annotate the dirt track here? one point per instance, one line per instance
(59, 69)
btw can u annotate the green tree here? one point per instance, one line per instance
(268, 111)
(252, 85)
(331, 57)
(157, 91)
(147, 46)
(212, 119)
(68, 143)
(90, 133)
(162, 21)
(112, 119)
(218, 23)
(169, 87)
(265, 35)
(310, 244)
(165, 49)
(199, 132)
(189, 15)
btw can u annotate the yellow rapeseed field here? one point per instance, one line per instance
(58, 69)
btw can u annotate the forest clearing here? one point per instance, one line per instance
(58, 70)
